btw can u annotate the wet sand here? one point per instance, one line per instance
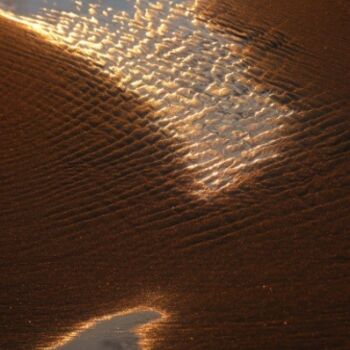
(98, 214)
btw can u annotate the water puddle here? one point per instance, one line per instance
(196, 77)
(119, 332)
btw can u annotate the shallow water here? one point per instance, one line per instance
(32, 7)
(114, 332)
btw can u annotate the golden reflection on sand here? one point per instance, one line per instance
(192, 74)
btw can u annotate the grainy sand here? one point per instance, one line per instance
(99, 211)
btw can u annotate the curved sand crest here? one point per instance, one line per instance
(279, 279)
(193, 75)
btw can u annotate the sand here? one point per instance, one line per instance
(100, 213)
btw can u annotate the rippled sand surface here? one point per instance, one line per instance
(194, 76)
(186, 157)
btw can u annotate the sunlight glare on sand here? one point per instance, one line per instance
(191, 73)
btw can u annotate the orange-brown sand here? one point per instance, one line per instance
(97, 216)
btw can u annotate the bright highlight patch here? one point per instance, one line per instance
(191, 73)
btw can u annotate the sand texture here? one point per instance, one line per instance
(229, 216)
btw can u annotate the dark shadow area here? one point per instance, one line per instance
(295, 45)
(82, 168)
